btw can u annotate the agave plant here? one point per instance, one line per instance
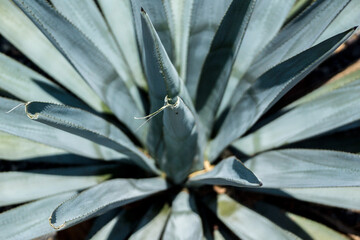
(141, 98)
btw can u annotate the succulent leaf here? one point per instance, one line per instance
(88, 126)
(184, 221)
(115, 225)
(104, 197)
(329, 111)
(91, 64)
(202, 31)
(152, 224)
(30, 221)
(302, 168)
(231, 213)
(38, 132)
(220, 59)
(229, 172)
(14, 24)
(268, 89)
(44, 183)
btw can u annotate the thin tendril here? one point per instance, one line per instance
(151, 115)
(15, 107)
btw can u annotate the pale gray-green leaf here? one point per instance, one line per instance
(184, 221)
(265, 22)
(14, 25)
(303, 168)
(268, 89)
(104, 197)
(220, 59)
(229, 172)
(181, 140)
(30, 221)
(152, 224)
(90, 62)
(17, 123)
(244, 222)
(325, 113)
(44, 183)
(88, 126)
(119, 17)
(205, 20)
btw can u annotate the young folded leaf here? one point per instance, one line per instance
(181, 141)
(229, 172)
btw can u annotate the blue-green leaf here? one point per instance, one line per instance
(30, 221)
(120, 19)
(302, 227)
(115, 225)
(302, 168)
(297, 36)
(14, 148)
(14, 25)
(184, 221)
(28, 85)
(205, 20)
(327, 112)
(90, 62)
(181, 12)
(265, 22)
(104, 197)
(158, 15)
(229, 172)
(152, 224)
(268, 89)
(44, 183)
(244, 222)
(220, 59)
(181, 140)
(89, 126)
(17, 123)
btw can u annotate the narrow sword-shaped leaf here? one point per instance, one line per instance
(89, 126)
(30, 221)
(184, 221)
(302, 227)
(17, 123)
(181, 139)
(244, 222)
(269, 88)
(14, 25)
(152, 224)
(302, 168)
(265, 22)
(328, 112)
(28, 85)
(116, 225)
(349, 75)
(92, 65)
(104, 197)
(44, 183)
(120, 19)
(86, 16)
(181, 12)
(220, 59)
(14, 148)
(158, 15)
(342, 197)
(205, 20)
(163, 82)
(297, 36)
(229, 172)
